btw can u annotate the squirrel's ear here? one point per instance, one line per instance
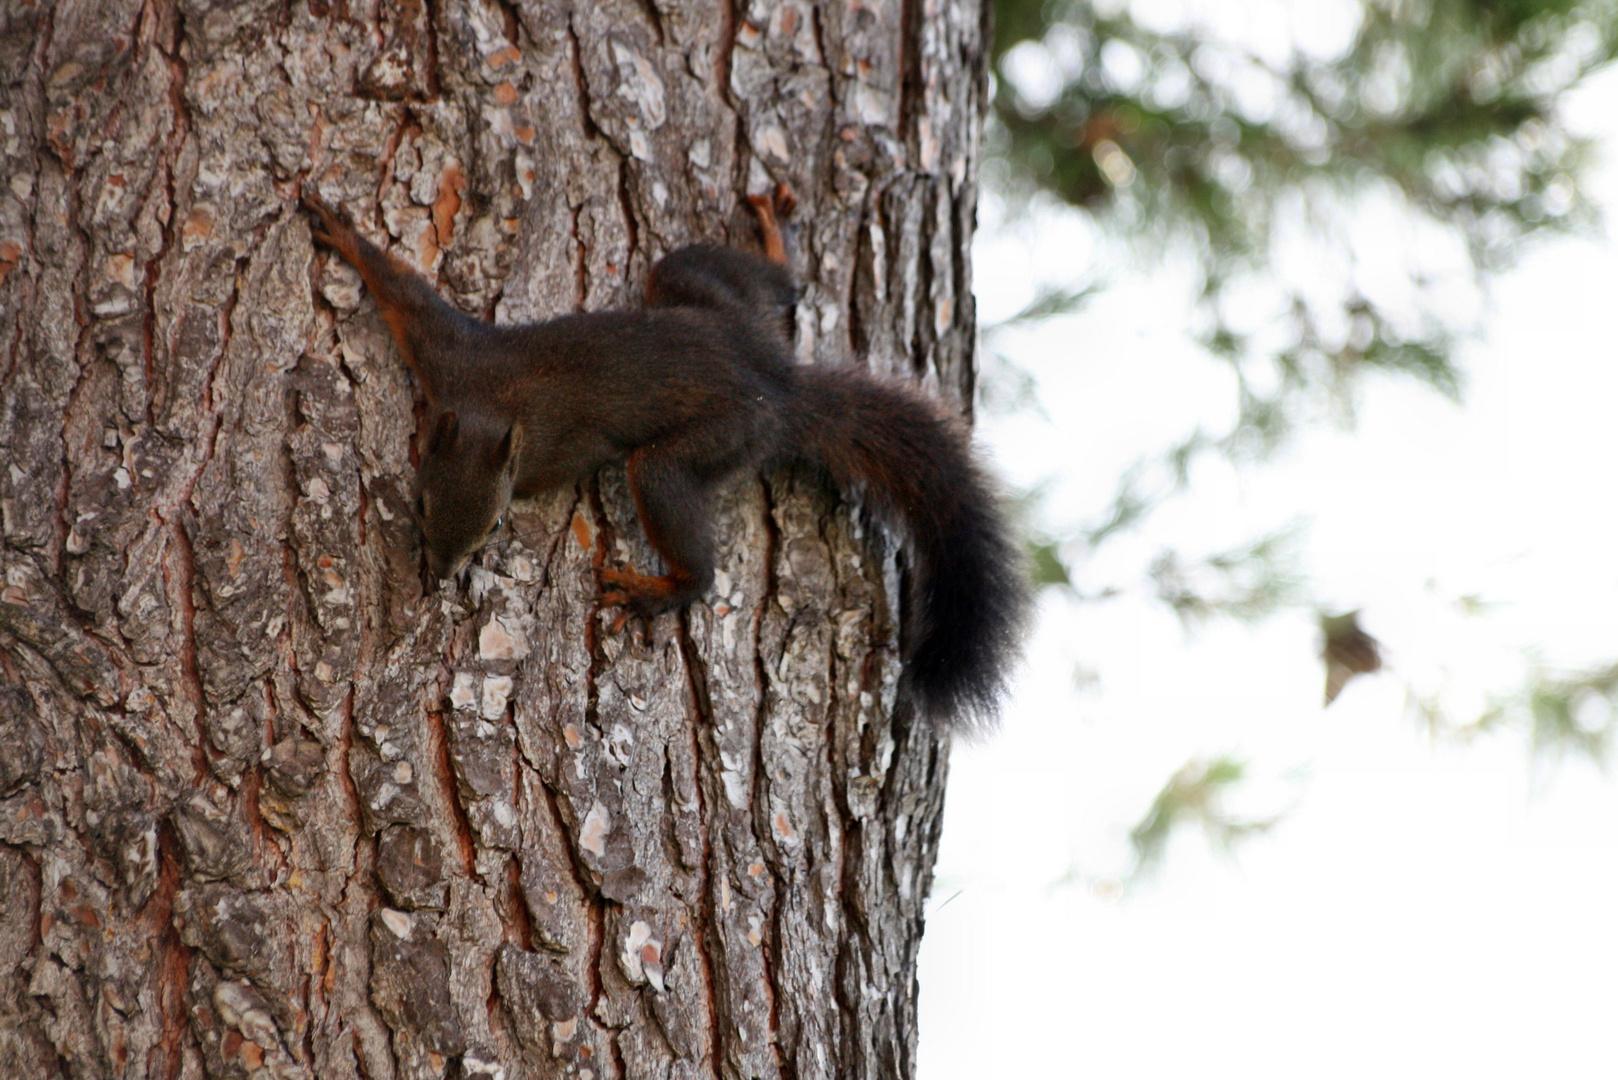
(511, 445)
(443, 432)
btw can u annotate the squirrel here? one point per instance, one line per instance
(698, 387)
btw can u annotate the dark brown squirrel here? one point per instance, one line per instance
(690, 391)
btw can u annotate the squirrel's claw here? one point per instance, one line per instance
(329, 225)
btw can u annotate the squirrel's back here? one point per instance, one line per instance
(725, 279)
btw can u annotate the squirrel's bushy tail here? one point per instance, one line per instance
(971, 595)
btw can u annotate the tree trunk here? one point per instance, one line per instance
(270, 805)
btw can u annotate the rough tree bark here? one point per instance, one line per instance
(271, 807)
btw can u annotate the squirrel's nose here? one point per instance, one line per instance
(445, 569)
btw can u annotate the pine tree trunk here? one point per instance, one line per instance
(271, 805)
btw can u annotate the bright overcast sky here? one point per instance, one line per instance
(1423, 910)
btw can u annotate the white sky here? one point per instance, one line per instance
(1423, 910)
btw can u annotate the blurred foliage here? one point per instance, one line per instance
(1262, 162)
(1281, 168)
(1005, 386)
(1440, 112)
(1194, 795)
(1045, 564)
(1559, 713)
(1246, 582)
(1572, 712)
(1048, 303)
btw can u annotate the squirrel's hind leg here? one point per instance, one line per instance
(674, 504)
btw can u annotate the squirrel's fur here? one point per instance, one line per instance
(693, 389)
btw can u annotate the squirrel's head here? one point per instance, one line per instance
(466, 475)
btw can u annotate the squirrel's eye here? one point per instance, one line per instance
(499, 521)
(421, 507)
